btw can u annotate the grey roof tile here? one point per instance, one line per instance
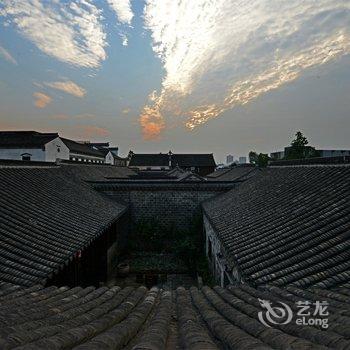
(210, 318)
(46, 215)
(287, 225)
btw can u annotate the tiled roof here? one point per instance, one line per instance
(184, 175)
(45, 217)
(81, 148)
(189, 176)
(25, 139)
(94, 172)
(160, 159)
(103, 150)
(193, 160)
(181, 160)
(155, 319)
(234, 173)
(287, 226)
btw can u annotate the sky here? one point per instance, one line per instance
(206, 76)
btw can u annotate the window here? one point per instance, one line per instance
(26, 156)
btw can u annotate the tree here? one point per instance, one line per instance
(300, 140)
(260, 159)
(263, 160)
(298, 148)
(253, 157)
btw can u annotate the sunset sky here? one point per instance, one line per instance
(224, 76)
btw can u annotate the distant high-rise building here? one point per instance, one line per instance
(242, 160)
(229, 159)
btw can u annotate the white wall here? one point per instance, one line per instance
(49, 153)
(56, 149)
(85, 158)
(37, 154)
(109, 158)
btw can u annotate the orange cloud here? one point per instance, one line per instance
(152, 122)
(88, 131)
(41, 100)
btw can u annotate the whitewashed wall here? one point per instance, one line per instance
(49, 153)
(37, 154)
(56, 149)
(109, 158)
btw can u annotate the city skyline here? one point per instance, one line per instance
(204, 76)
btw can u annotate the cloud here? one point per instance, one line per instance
(125, 39)
(89, 131)
(287, 70)
(152, 122)
(41, 100)
(220, 54)
(7, 56)
(122, 9)
(71, 31)
(68, 87)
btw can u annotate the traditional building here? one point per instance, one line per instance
(112, 158)
(54, 228)
(284, 225)
(110, 153)
(282, 229)
(32, 146)
(202, 164)
(83, 152)
(45, 147)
